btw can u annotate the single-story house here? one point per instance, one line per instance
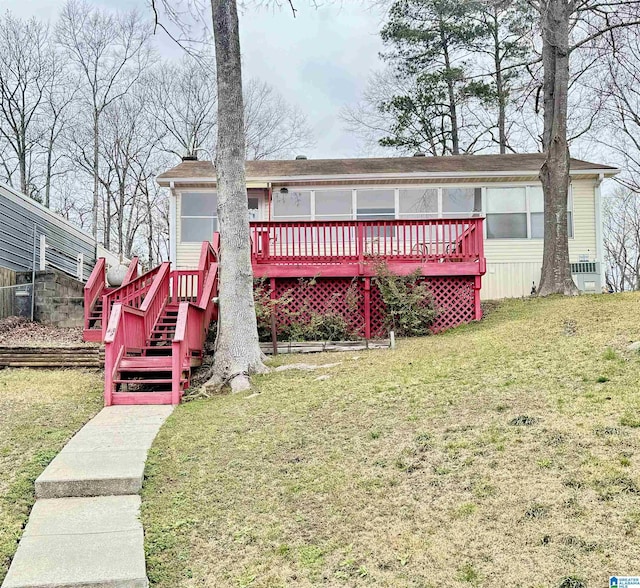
(504, 190)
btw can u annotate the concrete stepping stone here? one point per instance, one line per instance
(106, 457)
(79, 543)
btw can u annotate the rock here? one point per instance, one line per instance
(320, 378)
(635, 346)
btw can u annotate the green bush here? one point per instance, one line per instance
(410, 309)
(304, 324)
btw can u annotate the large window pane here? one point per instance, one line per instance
(197, 230)
(506, 200)
(537, 225)
(292, 205)
(418, 203)
(199, 203)
(536, 199)
(507, 226)
(376, 202)
(570, 223)
(333, 204)
(461, 200)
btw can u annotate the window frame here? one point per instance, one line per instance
(180, 216)
(440, 214)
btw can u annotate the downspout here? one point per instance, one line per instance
(269, 198)
(173, 226)
(599, 231)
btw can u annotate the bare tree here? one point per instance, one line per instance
(273, 127)
(566, 26)
(237, 348)
(60, 96)
(184, 101)
(621, 224)
(26, 72)
(111, 53)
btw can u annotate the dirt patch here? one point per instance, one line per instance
(21, 331)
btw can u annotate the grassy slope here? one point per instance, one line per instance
(39, 411)
(403, 469)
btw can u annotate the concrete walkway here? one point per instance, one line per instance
(84, 529)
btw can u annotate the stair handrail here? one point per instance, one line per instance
(208, 256)
(192, 326)
(94, 287)
(180, 349)
(157, 297)
(127, 293)
(132, 271)
(125, 329)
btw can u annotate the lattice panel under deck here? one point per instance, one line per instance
(454, 298)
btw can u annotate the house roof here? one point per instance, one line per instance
(445, 166)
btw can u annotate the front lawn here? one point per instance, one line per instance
(40, 410)
(504, 453)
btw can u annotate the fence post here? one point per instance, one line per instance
(33, 271)
(476, 291)
(43, 252)
(80, 267)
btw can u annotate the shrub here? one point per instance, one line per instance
(410, 309)
(303, 324)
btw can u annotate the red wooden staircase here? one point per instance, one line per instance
(154, 328)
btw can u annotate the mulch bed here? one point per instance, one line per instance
(18, 331)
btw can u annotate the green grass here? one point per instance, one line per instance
(39, 412)
(504, 453)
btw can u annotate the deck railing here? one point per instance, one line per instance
(321, 242)
(94, 288)
(130, 294)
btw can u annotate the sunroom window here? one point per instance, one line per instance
(536, 207)
(463, 201)
(292, 205)
(506, 213)
(418, 203)
(198, 216)
(333, 205)
(376, 204)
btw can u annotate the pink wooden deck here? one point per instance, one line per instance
(340, 255)
(439, 247)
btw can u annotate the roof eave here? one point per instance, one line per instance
(608, 172)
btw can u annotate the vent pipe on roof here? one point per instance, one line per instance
(419, 154)
(190, 157)
(300, 157)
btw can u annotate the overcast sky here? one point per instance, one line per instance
(319, 60)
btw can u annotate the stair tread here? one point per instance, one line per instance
(146, 381)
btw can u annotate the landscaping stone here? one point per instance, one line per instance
(80, 542)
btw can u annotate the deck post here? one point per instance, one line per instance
(476, 296)
(367, 308)
(360, 246)
(274, 328)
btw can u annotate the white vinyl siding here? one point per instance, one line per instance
(512, 264)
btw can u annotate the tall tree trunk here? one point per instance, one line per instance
(237, 353)
(22, 161)
(453, 109)
(554, 173)
(500, 91)
(48, 171)
(96, 145)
